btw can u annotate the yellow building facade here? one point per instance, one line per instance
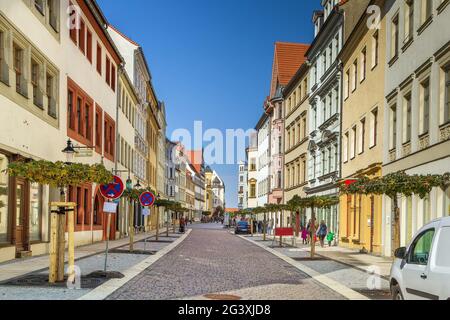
(363, 60)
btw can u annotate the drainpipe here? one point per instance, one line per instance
(120, 71)
(341, 70)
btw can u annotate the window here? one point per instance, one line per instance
(49, 91)
(427, 8)
(446, 93)
(407, 118)
(425, 107)
(39, 5)
(394, 37)
(409, 20)
(81, 195)
(353, 143)
(99, 59)
(73, 29)
(393, 127)
(355, 75)
(82, 37)
(108, 71)
(373, 128)
(375, 47)
(21, 83)
(252, 190)
(89, 46)
(53, 10)
(113, 79)
(421, 247)
(80, 114)
(109, 137)
(363, 64)
(347, 83)
(70, 110)
(35, 76)
(345, 147)
(362, 134)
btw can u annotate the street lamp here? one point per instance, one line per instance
(129, 184)
(70, 151)
(137, 185)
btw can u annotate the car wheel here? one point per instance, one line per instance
(396, 293)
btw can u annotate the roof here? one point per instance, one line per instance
(195, 157)
(123, 35)
(288, 57)
(232, 210)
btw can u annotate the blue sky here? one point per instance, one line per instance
(211, 60)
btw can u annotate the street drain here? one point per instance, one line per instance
(221, 297)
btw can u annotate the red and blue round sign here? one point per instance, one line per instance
(147, 199)
(112, 190)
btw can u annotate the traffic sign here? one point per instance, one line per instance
(147, 199)
(112, 190)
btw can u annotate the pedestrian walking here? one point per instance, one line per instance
(330, 238)
(259, 227)
(322, 233)
(304, 235)
(182, 224)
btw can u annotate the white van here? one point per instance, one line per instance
(422, 270)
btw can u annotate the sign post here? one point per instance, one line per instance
(147, 199)
(111, 191)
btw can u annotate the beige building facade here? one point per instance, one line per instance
(362, 131)
(296, 136)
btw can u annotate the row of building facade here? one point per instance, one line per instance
(66, 73)
(368, 97)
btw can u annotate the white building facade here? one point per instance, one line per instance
(325, 107)
(416, 119)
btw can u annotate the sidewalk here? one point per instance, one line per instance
(352, 258)
(20, 267)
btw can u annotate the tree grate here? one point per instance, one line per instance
(136, 251)
(41, 281)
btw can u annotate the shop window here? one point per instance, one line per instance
(35, 212)
(3, 199)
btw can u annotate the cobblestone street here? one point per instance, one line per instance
(211, 260)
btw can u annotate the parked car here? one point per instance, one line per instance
(242, 227)
(422, 270)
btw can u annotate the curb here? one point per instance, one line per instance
(330, 283)
(105, 290)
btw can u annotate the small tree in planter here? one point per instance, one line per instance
(60, 175)
(395, 184)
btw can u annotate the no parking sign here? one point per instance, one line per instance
(147, 199)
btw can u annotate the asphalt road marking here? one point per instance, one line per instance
(103, 291)
(332, 284)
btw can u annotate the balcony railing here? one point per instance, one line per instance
(52, 107)
(4, 72)
(21, 85)
(38, 97)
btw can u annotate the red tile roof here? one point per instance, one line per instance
(195, 157)
(232, 210)
(288, 58)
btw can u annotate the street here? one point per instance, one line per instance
(213, 261)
